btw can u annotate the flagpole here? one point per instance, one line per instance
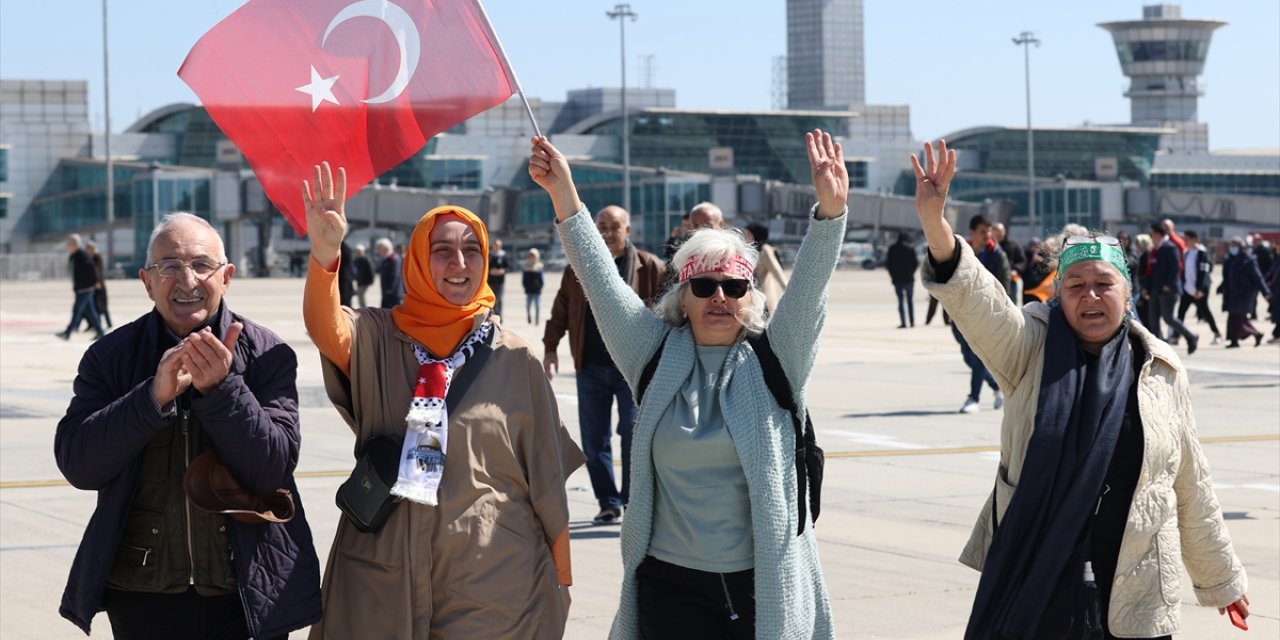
(506, 64)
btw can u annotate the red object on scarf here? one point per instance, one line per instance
(362, 84)
(430, 380)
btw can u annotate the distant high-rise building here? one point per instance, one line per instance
(1163, 55)
(824, 55)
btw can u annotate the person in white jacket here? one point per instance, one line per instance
(1103, 494)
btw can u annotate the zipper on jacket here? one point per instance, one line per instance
(186, 504)
(728, 601)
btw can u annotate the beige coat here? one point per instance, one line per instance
(478, 565)
(1174, 518)
(770, 276)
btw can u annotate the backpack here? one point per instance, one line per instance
(809, 456)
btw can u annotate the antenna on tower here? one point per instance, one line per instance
(778, 94)
(646, 63)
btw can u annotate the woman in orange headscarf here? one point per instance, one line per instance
(479, 548)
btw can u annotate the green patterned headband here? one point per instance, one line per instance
(1092, 249)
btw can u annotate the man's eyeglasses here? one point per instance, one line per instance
(172, 268)
(706, 287)
(1108, 240)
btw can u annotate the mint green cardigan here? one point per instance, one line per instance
(791, 597)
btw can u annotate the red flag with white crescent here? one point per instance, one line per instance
(363, 84)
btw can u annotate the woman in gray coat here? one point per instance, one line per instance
(1103, 494)
(709, 545)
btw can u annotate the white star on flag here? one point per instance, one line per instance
(422, 380)
(320, 89)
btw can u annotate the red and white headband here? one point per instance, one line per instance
(736, 266)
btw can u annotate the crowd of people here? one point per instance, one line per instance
(472, 539)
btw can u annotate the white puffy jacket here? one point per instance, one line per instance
(1174, 520)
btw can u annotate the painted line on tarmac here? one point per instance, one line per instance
(342, 473)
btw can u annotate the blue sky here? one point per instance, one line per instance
(952, 62)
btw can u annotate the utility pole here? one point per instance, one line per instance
(1025, 40)
(620, 13)
(106, 138)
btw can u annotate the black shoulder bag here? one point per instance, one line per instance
(809, 457)
(365, 498)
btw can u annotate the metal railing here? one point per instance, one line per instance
(33, 266)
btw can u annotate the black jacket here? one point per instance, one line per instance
(901, 261)
(391, 278)
(252, 420)
(83, 274)
(1166, 276)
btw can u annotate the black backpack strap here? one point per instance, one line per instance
(776, 379)
(651, 367)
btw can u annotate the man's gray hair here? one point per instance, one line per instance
(384, 242)
(176, 218)
(75, 237)
(717, 245)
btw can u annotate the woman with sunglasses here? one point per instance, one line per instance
(709, 545)
(1103, 494)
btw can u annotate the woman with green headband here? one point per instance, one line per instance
(1103, 493)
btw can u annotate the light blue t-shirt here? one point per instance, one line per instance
(702, 514)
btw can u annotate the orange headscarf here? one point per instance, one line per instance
(437, 323)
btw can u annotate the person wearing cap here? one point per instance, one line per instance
(1101, 477)
(713, 545)
(187, 377)
(479, 546)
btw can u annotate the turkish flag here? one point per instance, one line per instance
(363, 84)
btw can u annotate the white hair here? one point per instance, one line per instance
(384, 243)
(716, 245)
(176, 218)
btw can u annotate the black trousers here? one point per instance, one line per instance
(686, 604)
(179, 616)
(1202, 311)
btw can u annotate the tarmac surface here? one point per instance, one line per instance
(905, 475)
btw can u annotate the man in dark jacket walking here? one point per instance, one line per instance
(363, 269)
(901, 261)
(188, 377)
(1165, 288)
(390, 274)
(84, 281)
(599, 381)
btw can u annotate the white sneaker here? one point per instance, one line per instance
(970, 406)
(1216, 340)
(999, 403)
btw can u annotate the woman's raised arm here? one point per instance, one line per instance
(328, 326)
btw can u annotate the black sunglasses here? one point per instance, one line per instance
(706, 287)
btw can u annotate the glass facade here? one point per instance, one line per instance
(770, 145)
(1057, 203)
(4, 163)
(4, 206)
(1067, 152)
(657, 201)
(75, 197)
(1251, 184)
(1195, 50)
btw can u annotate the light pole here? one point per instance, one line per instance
(106, 139)
(620, 13)
(1025, 40)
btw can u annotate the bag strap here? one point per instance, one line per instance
(468, 372)
(776, 379)
(651, 367)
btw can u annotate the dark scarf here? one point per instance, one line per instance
(1081, 408)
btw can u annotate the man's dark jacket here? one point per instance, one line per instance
(251, 419)
(644, 271)
(1168, 269)
(392, 280)
(901, 261)
(83, 274)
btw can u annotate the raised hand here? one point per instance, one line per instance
(932, 182)
(550, 169)
(208, 359)
(830, 176)
(326, 213)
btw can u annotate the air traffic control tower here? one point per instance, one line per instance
(1163, 55)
